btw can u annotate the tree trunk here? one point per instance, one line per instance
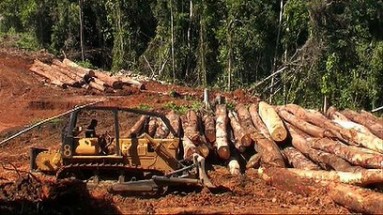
(254, 161)
(189, 148)
(175, 122)
(209, 128)
(352, 155)
(162, 130)
(79, 69)
(272, 121)
(222, 144)
(356, 199)
(244, 119)
(269, 151)
(325, 160)
(362, 178)
(375, 128)
(372, 117)
(240, 138)
(190, 126)
(136, 129)
(298, 160)
(53, 80)
(302, 125)
(253, 109)
(152, 128)
(113, 82)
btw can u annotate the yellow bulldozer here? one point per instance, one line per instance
(135, 163)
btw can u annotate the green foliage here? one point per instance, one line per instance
(179, 109)
(331, 49)
(144, 107)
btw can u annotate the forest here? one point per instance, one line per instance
(314, 53)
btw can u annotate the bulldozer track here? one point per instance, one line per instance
(118, 167)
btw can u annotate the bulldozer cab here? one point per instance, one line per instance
(105, 133)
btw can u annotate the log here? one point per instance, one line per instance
(253, 109)
(136, 129)
(371, 116)
(52, 73)
(76, 81)
(189, 148)
(269, 151)
(362, 136)
(175, 122)
(109, 81)
(355, 198)
(162, 130)
(48, 76)
(97, 86)
(254, 161)
(234, 167)
(325, 160)
(244, 119)
(79, 69)
(272, 121)
(76, 73)
(334, 114)
(222, 144)
(239, 134)
(362, 178)
(209, 127)
(130, 81)
(298, 160)
(375, 128)
(152, 127)
(308, 128)
(352, 155)
(190, 126)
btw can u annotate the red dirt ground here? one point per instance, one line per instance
(25, 98)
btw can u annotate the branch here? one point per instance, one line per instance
(270, 76)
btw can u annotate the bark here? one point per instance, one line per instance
(365, 139)
(175, 122)
(244, 119)
(222, 144)
(356, 199)
(48, 76)
(234, 167)
(298, 160)
(269, 151)
(110, 81)
(272, 121)
(371, 116)
(310, 129)
(189, 148)
(240, 137)
(344, 122)
(253, 109)
(51, 73)
(152, 127)
(375, 128)
(325, 160)
(254, 161)
(352, 155)
(362, 178)
(84, 75)
(79, 69)
(130, 81)
(137, 127)
(209, 128)
(77, 81)
(333, 113)
(162, 130)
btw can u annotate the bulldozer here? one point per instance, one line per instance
(136, 163)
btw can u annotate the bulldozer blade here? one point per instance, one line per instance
(202, 171)
(163, 180)
(135, 186)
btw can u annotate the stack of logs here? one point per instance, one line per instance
(68, 73)
(340, 149)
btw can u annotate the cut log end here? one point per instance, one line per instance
(279, 134)
(224, 152)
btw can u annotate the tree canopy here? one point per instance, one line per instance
(305, 52)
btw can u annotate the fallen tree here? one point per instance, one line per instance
(272, 121)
